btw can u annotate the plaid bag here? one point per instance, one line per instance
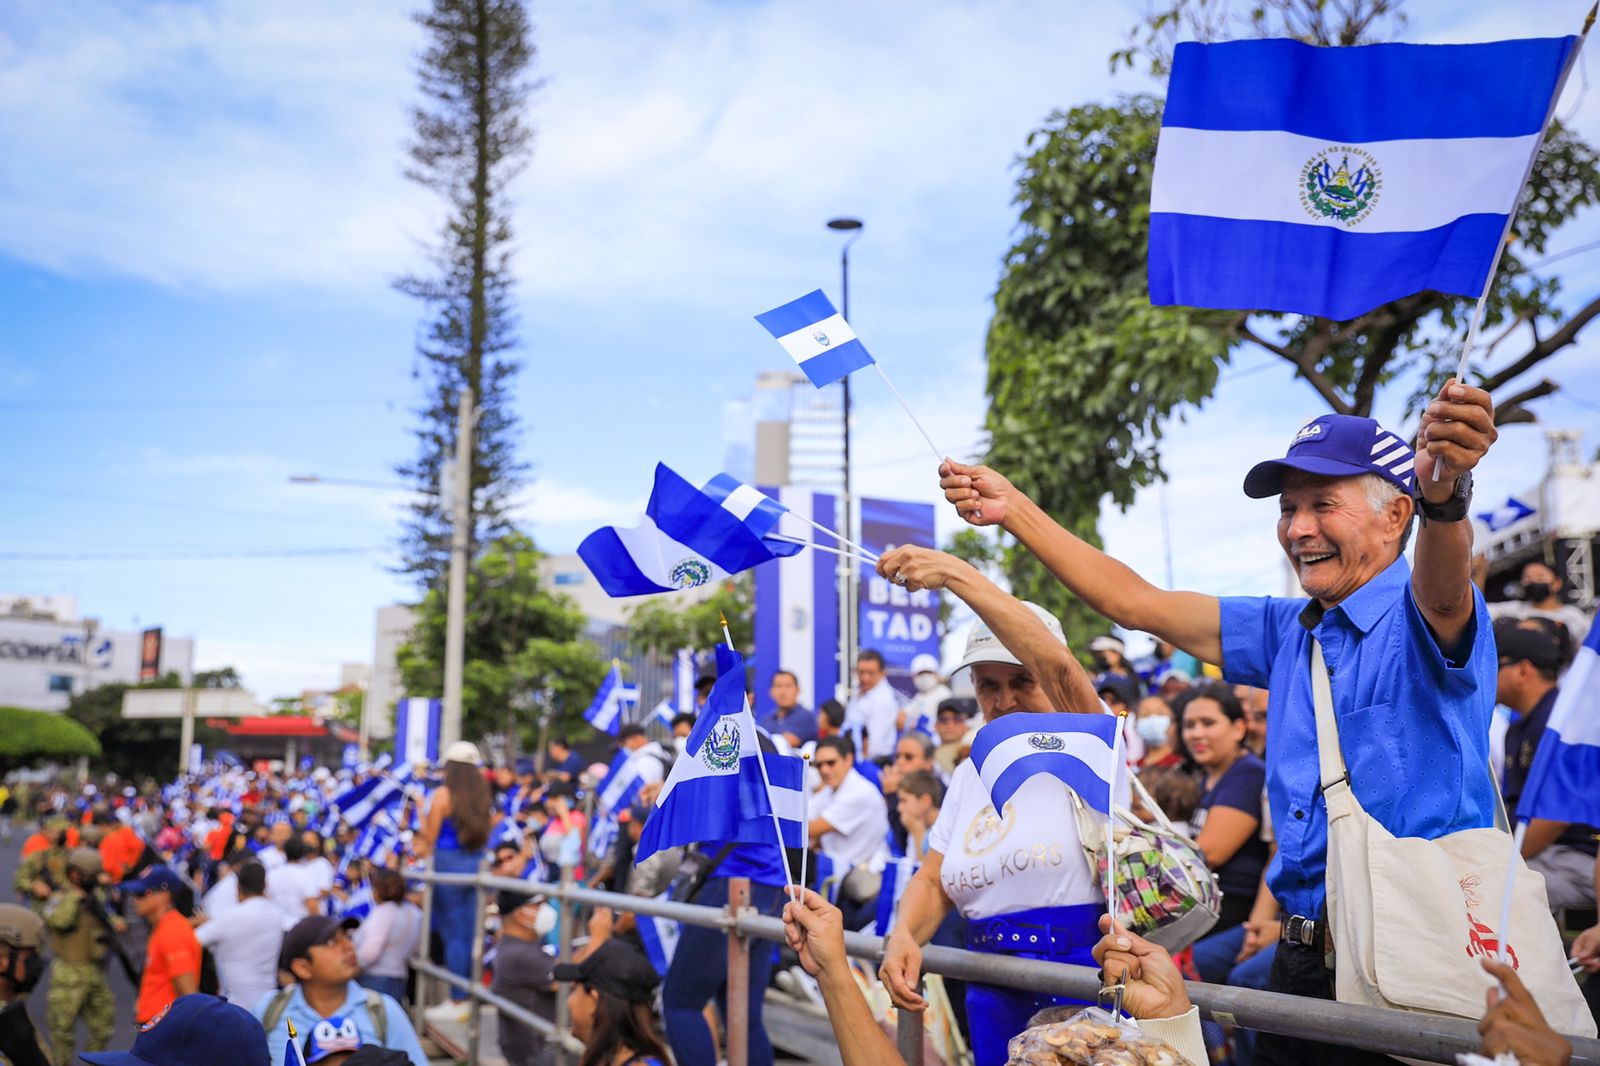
(1165, 892)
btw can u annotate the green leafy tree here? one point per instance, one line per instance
(663, 625)
(521, 638)
(470, 141)
(138, 747)
(1084, 373)
(27, 736)
(982, 549)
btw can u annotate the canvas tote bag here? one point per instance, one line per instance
(1410, 918)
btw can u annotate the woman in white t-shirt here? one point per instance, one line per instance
(1019, 876)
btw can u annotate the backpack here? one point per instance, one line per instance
(375, 1011)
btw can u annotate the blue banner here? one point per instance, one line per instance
(897, 623)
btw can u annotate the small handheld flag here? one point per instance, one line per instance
(817, 337)
(1077, 749)
(1507, 514)
(1562, 783)
(605, 713)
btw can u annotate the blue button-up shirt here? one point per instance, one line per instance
(1413, 724)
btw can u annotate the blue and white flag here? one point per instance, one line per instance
(1328, 181)
(1506, 515)
(897, 874)
(817, 337)
(358, 904)
(758, 511)
(1077, 749)
(664, 712)
(359, 805)
(642, 560)
(605, 713)
(621, 785)
(1564, 781)
(716, 792)
(683, 681)
(660, 938)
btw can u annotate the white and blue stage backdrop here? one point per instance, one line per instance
(797, 600)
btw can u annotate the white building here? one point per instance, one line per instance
(391, 628)
(48, 653)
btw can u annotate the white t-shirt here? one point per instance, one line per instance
(875, 712)
(860, 820)
(322, 873)
(1574, 618)
(289, 887)
(271, 857)
(222, 897)
(246, 946)
(388, 938)
(1028, 857)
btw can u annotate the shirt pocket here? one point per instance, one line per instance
(1378, 771)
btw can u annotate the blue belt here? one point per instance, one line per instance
(1056, 931)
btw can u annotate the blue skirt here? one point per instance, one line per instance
(1051, 934)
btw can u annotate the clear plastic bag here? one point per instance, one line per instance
(1091, 1037)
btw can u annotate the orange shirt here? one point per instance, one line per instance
(36, 842)
(174, 951)
(217, 842)
(120, 850)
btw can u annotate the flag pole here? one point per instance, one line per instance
(823, 548)
(1511, 881)
(1111, 821)
(1505, 235)
(818, 526)
(805, 821)
(938, 456)
(761, 761)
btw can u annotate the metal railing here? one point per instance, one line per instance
(1389, 1032)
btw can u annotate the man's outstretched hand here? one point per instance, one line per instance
(980, 495)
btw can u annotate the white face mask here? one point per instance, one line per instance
(926, 682)
(545, 923)
(680, 744)
(1155, 730)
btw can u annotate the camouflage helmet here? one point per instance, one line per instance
(20, 927)
(86, 861)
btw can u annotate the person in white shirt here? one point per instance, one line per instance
(923, 708)
(390, 935)
(272, 856)
(320, 869)
(246, 940)
(648, 758)
(850, 825)
(292, 886)
(1540, 595)
(874, 712)
(1020, 875)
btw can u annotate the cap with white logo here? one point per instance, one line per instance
(1337, 446)
(984, 647)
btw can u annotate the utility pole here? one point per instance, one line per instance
(186, 734)
(849, 615)
(455, 627)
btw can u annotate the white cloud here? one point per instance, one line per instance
(280, 667)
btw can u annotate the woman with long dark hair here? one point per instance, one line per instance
(609, 1006)
(454, 831)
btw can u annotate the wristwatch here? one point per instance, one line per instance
(1452, 510)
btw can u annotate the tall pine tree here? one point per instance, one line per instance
(470, 142)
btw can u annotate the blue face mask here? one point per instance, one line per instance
(1155, 730)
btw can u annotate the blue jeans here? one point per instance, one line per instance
(996, 1014)
(1213, 959)
(389, 986)
(699, 973)
(455, 909)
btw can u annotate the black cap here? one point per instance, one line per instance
(373, 1055)
(1533, 639)
(311, 931)
(1125, 688)
(616, 968)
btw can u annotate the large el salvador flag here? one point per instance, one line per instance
(1564, 780)
(1077, 749)
(1328, 181)
(716, 792)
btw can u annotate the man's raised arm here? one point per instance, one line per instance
(1457, 429)
(1190, 620)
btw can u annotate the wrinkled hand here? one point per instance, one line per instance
(1457, 429)
(1154, 987)
(815, 931)
(980, 495)
(1258, 935)
(914, 568)
(1515, 1024)
(1586, 949)
(901, 971)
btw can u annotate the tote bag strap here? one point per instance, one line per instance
(1330, 759)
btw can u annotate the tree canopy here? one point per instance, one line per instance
(26, 735)
(661, 626)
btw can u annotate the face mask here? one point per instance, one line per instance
(545, 923)
(926, 682)
(1155, 730)
(32, 972)
(1534, 591)
(680, 744)
(1101, 663)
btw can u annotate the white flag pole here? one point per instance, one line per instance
(819, 527)
(1488, 283)
(1511, 881)
(750, 719)
(823, 548)
(1111, 821)
(938, 456)
(805, 821)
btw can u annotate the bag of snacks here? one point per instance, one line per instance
(1091, 1037)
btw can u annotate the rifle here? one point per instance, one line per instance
(98, 912)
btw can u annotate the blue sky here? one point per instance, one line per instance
(201, 209)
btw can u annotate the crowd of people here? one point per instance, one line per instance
(292, 893)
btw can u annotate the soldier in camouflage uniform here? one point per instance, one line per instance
(78, 936)
(21, 965)
(41, 873)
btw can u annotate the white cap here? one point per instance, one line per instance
(463, 751)
(924, 664)
(984, 647)
(1107, 644)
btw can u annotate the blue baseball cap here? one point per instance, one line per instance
(1337, 446)
(193, 1030)
(155, 879)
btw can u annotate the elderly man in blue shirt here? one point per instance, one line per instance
(1409, 650)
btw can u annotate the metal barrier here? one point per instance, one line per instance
(1389, 1032)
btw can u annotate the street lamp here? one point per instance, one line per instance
(847, 577)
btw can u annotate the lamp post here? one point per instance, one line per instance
(847, 576)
